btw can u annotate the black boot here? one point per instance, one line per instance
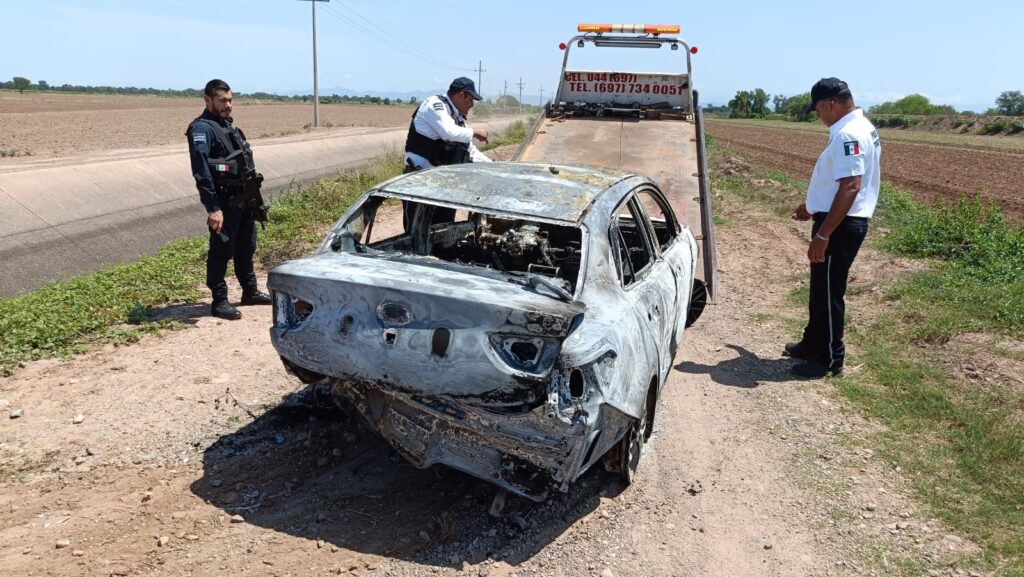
(255, 297)
(817, 370)
(223, 309)
(799, 350)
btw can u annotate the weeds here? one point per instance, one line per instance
(896, 121)
(513, 134)
(59, 318)
(62, 318)
(960, 442)
(997, 126)
(299, 220)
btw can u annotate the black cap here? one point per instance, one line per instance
(827, 88)
(463, 84)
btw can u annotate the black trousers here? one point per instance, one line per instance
(409, 208)
(827, 307)
(237, 240)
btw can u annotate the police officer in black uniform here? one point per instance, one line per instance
(438, 136)
(222, 165)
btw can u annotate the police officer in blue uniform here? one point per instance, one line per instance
(222, 165)
(841, 198)
(438, 136)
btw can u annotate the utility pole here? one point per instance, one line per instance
(520, 85)
(503, 94)
(479, 79)
(541, 101)
(316, 86)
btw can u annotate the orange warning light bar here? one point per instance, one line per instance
(630, 28)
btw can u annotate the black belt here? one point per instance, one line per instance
(820, 216)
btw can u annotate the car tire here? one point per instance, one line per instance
(698, 300)
(631, 447)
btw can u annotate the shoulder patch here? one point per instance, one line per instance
(199, 137)
(439, 106)
(851, 148)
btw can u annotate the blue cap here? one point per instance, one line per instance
(463, 84)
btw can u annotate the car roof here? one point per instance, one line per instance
(544, 191)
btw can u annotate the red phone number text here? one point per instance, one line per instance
(626, 88)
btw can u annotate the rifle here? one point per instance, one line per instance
(250, 195)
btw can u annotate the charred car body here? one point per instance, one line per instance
(520, 343)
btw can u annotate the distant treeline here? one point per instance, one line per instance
(759, 104)
(22, 84)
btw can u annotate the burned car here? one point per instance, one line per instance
(520, 338)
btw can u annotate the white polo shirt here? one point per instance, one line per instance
(437, 118)
(853, 149)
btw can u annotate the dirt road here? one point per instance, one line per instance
(179, 455)
(929, 170)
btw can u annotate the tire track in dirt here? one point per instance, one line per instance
(929, 171)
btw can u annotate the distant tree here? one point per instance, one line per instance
(796, 108)
(43, 85)
(387, 100)
(749, 104)
(912, 104)
(778, 103)
(716, 110)
(1010, 103)
(739, 106)
(20, 84)
(508, 101)
(412, 100)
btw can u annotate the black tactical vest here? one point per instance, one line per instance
(236, 165)
(437, 151)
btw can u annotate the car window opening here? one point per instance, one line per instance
(479, 241)
(631, 250)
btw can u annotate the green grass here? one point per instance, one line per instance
(960, 444)
(299, 219)
(57, 319)
(117, 304)
(978, 285)
(514, 133)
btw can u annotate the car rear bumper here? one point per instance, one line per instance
(526, 453)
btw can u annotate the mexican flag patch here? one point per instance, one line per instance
(851, 148)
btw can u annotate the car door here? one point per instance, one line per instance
(665, 229)
(646, 280)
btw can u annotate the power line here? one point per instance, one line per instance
(390, 33)
(388, 41)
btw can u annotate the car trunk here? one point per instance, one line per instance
(421, 326)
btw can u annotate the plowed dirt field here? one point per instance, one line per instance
(931, 171)
(57, 125)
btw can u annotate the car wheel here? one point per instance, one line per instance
(698, 300)
(631, 446)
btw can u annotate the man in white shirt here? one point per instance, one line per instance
(841, 198)
(438, 136)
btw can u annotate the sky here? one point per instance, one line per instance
(955, 53)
